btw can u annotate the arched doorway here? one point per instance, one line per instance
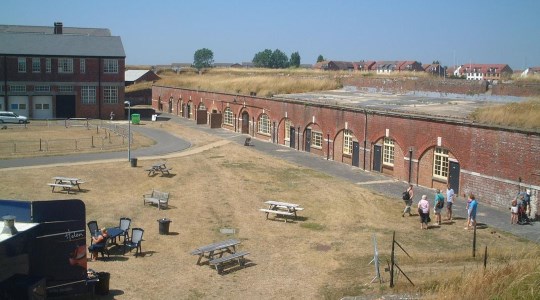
(245, 122)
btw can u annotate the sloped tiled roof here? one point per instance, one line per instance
(50, 30)
(39, 44)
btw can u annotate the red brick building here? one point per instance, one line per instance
(492, 162)
(61, 72)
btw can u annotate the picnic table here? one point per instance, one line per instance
(114, 232)
(219, 248)
(158, 168)
(66, 183)
(281, 209)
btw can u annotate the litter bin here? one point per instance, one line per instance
(102, 286)
(164, 225)
(135, 118)
(154, 117)
(133, 162)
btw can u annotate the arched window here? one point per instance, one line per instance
(202, 106)
(347, 142)
(228, 116)
(388, 151)
(264, 124)
(440, 163)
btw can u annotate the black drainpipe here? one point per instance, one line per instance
(410, 164)
(5, 82)
(365, 139)
(298, 145)
(327, 146)
(100, 94)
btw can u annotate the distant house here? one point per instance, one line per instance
(410, 66)
(223, 65)
(434, 69)
(531, 71)
(484, 71)
(334, 65)
(384, 67)
(364, 65)
(136, 76)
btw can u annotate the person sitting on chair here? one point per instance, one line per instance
(98, 242)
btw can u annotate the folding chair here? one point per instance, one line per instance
(134, 241)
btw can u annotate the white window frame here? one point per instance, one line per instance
(42, 88)
(88, 94)
(36, 65)
(82, 66)
(288, 124)
(388, 151)
(65, 88)
(110, 66)
(316, 139)
(228, 117)
(440, 163)
(110, 94)
(264, 124)
(347, 142)
(48, 65)
(17, 88)
(65, 65)
(21, 64)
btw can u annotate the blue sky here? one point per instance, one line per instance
(167, 31)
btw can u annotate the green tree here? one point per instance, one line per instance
(320, 58)
(279, 60)
(263, 59)
(295, 60)
(203, 58)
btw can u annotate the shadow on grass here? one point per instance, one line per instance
(234, 267)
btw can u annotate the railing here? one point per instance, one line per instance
(107, 136)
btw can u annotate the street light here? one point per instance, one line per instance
(129, 128)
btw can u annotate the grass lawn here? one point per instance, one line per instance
(323, 255)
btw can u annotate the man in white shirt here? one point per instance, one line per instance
(449, 202)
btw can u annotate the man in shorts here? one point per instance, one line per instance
(473, 206)
(449, 202)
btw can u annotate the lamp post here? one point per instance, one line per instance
(129, 128)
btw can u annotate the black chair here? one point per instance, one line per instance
(94, 230)
(125, 224)
(134, 241)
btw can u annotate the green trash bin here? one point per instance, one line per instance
(135, 118)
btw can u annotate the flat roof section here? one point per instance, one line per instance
(427, 103)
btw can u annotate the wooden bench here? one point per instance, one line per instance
(277, 212)
(219, 262)
(65, 186)
(161, 199)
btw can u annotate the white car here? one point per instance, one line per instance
(11, 117)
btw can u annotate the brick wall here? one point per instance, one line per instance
(492, 160)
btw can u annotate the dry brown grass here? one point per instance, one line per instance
(25, 141)
(325, 255)
(521, 115)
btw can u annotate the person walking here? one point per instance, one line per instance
(438, 205)
(471, 212)
(423, 211)
(408, 199)
(449, 202)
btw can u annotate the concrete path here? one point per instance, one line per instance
(168, 145)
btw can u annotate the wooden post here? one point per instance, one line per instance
(485, 258)
(474, 242)
(392, 260)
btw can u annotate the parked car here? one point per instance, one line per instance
(11, 117)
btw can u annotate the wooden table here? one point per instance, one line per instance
(159, 168)
(219, 248)
(66, 183)
(281, 209)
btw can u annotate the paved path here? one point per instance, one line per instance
(170, 146)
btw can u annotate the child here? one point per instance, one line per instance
(514, 211)
(468, 223)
